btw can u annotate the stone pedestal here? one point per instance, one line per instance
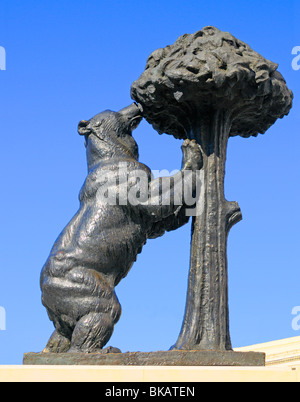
(110, 375)
(170, 358)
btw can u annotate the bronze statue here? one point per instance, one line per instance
(100, 244)
(203, 89)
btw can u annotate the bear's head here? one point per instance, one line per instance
(109, 134)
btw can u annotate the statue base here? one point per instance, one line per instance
(170, 358)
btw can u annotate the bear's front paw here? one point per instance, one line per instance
(192, 155)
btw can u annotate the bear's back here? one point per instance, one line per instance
(111, 180)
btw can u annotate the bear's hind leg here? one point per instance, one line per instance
(91, 333)
(57, 344)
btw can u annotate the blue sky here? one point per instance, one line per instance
(67, 61)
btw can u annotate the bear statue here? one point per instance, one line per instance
(100, 244)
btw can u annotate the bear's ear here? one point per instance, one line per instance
(83, 127)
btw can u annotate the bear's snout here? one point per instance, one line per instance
(132, 114)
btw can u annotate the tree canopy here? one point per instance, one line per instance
(208, 71)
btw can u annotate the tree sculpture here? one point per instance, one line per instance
(210, 86)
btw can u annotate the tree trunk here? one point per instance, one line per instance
(206, 321)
